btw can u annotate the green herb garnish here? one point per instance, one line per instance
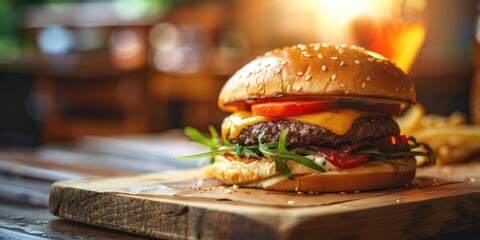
(277, 151)
(378, 154)
(281, 155)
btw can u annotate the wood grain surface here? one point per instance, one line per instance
(181, 205)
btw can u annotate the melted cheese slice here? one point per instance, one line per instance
(337, 120)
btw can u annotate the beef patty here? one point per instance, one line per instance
(364, 128)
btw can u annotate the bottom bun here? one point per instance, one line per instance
(231, 169)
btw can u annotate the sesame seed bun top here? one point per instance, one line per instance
(318, 70)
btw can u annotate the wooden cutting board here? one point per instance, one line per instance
(183, 205)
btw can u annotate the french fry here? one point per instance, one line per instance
(410, 121)
(451, 144)
(450, 137)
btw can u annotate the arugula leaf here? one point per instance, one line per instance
(281, 155)
(205, 154)
(249, 153)
(385, 155)
(199, 137)
(278, 152)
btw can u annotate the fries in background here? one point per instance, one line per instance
(452, 139)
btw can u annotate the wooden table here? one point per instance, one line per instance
(27, 174)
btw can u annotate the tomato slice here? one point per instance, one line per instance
(292, 108)
(342, 159)
(390, 140)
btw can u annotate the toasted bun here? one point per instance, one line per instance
(262, 174)
(318, 70)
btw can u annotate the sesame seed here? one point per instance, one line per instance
(343, 45)
(347, 92)
(296, 189)
(308, 77)
(221, 188)
(290, 202)
(369, 78)
(356, 191)
(398, 200)
(235, 187)
(260, 87)
(364, 85)
(299, 74)
(229, 190)
(298, 192)
(342, 63)
(324, 68)
(302, 46)
(320, 55)
(336, 47)
(283, 62)
(333, 77)
(333, 58)
(342, 193)
(307, 55)
(278, 71)
(325, 45)
(361, 48)
(369, 59)
(341, 50)
(316, 48)
(298, 88)
(342, 85)
(356, 61)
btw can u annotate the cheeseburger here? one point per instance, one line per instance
(315, 117)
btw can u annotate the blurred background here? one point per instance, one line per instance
(94, 67)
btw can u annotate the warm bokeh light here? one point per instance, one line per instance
(127, 49)
(175, 49)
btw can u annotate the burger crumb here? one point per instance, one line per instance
(221, 187)
(290, 202)
(229, 191)
(235, 187)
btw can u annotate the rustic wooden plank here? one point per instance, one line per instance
(448, 204)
